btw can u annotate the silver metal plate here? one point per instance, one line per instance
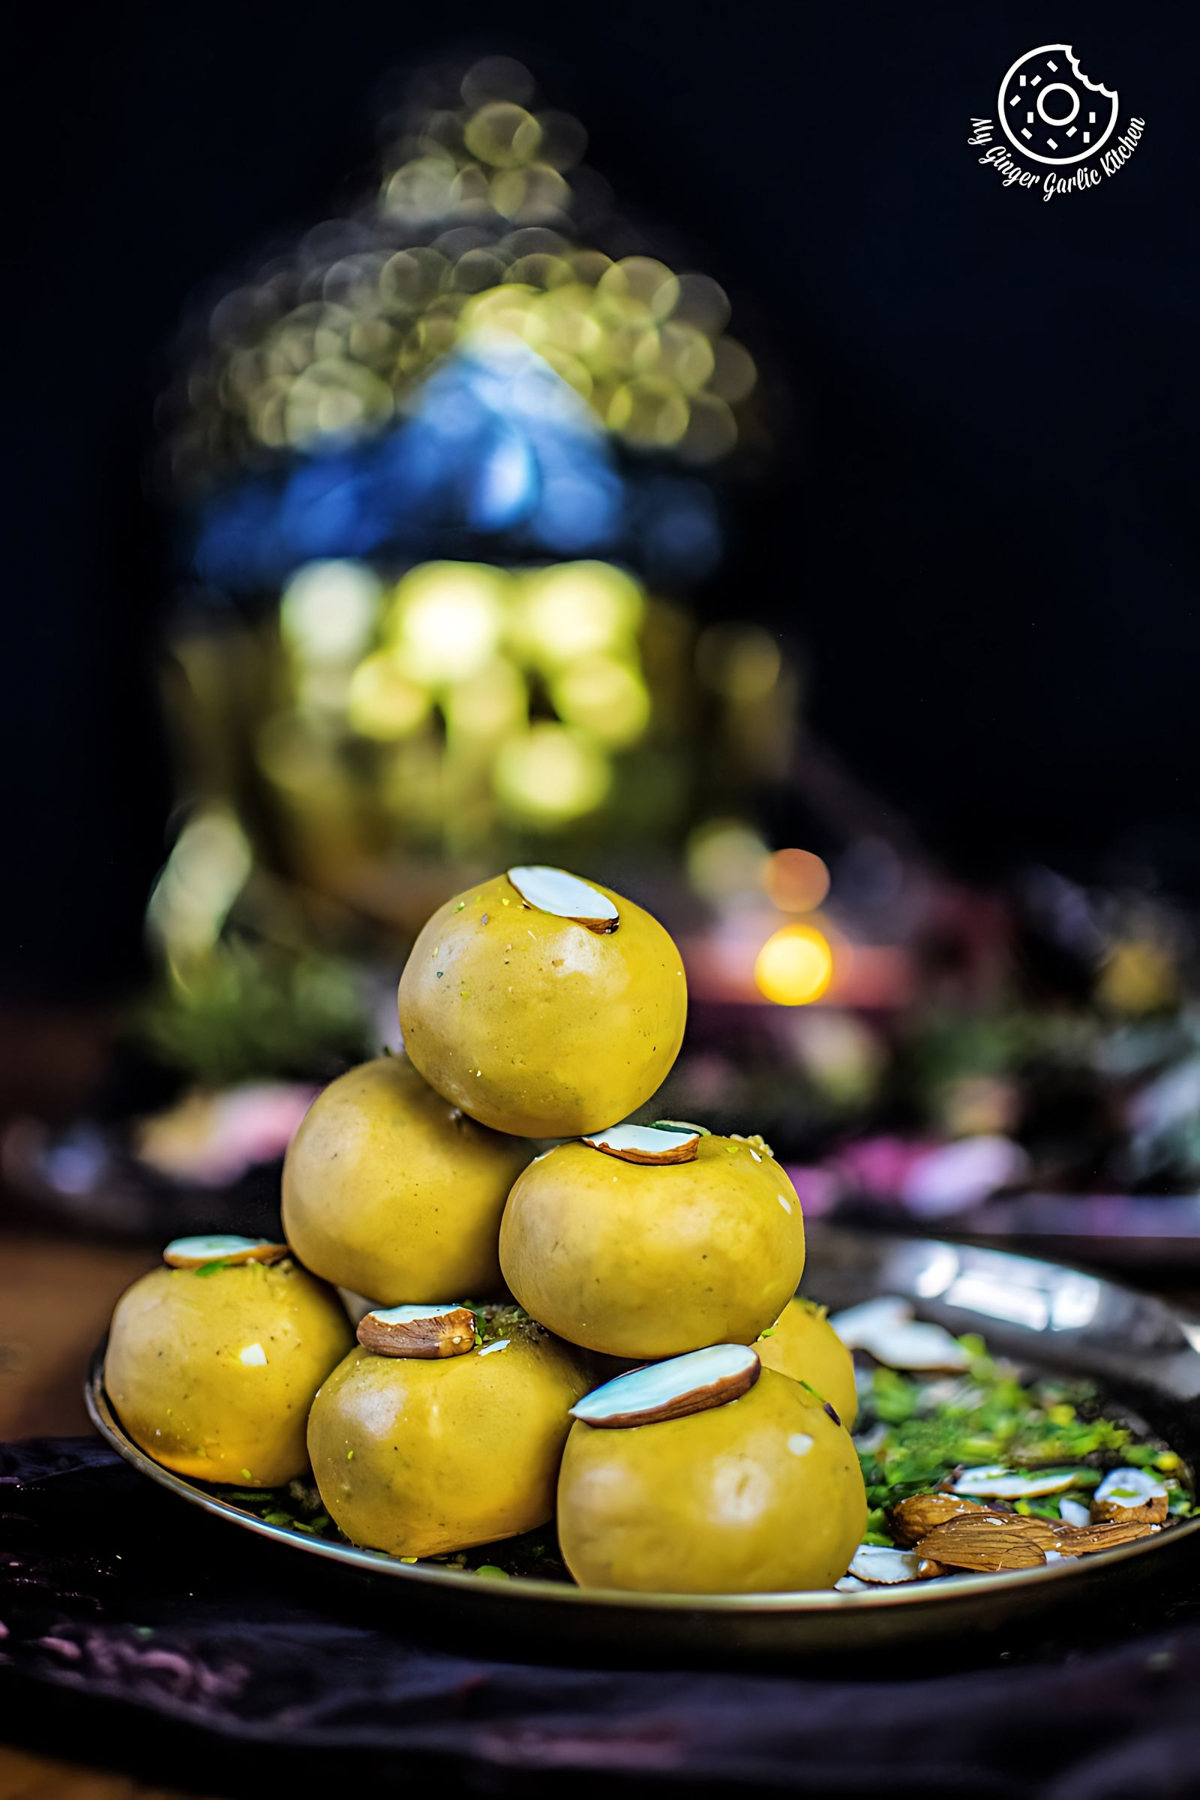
(1145, 1355)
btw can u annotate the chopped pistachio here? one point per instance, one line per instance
(917, 1435)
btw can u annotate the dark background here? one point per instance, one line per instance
(981, 518)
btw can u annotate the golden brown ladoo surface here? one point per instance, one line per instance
(640, 1261)
(761, 1495)
(537, 1025)
(390, 1190)
(213, 1372)
(424, 1457)
(804, 1345)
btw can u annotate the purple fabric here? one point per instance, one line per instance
(112, 1592)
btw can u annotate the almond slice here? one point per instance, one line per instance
(888, 1330)
(856, 1324)
(651, 1144)
(986, 1542)
(671, 1390)
(1130, 1494)
(878, 1566)
(1074, 1512)
(914, 1518)
(196, 1252)
(565, 896)
(995, 1482)
(919, 1346)
(421, 1331)
(1086, 1540)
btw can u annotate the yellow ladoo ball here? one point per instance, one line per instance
(390, 1190)
(423, 1457)
(761, 1495)
(639, 1260)
(539, 1021)
(212, 1369)
(804, 1345)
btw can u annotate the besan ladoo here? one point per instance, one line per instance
(533, 1005)
(543, 1005)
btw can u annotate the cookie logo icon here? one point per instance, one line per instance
(1050, 111)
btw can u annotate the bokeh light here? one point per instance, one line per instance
(490, 706)
(576, 610)
(742, 662)
(206, 870)
(443, 674)
(550, 775)
(328, 610)
(382, 701)
(605, 697)
(796, 880)
(476, 226)
(1138, 976)
(725, 860)
(465, 433)
(447, 619)
(794, 966)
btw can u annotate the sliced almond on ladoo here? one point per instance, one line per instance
(1129, 1495)
(198, 1252)
(654, 1145)
(419, 1331)
(565, 896)
(671, 1390)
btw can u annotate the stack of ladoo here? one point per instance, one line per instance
(535, 1006)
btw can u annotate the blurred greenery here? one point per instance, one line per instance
(989, 1417)
(248, 1011)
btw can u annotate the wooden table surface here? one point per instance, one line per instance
(26, 1776)
(56, 1297)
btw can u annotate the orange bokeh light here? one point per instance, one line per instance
(796, 880)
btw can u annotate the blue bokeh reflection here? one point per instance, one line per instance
(493, 445)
